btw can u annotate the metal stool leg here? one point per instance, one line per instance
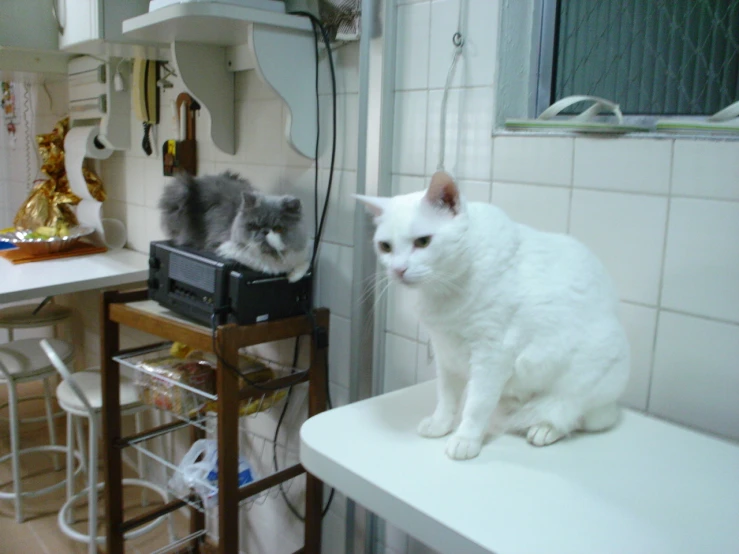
(92, 488)
(50, 421)
(70, 464)
(15, 449)
(81, 443)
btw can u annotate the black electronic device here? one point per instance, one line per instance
(210, 289)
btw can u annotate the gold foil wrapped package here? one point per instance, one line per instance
(51, 200)
(47, 207)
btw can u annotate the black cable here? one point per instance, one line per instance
(327, 43)
(275, 467)
(318, 232)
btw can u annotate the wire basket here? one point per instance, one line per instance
(257, 452)
(186, 387)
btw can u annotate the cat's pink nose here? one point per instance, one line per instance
(400, 272)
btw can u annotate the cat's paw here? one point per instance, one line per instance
(434, 427)
(463, 448)
(297, 273)
(543, 434)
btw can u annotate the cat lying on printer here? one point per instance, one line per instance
(226, 215)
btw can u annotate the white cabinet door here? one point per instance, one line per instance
(81, 20)
(27, 24)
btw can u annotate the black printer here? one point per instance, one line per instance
(212, 290)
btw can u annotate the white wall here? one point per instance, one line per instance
(662, 214)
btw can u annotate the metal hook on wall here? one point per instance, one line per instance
(168, 72)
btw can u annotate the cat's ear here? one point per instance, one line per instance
(443, 192)
(374, 204)
(249, 200)
(291, 204)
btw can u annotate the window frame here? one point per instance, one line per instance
(542, 79)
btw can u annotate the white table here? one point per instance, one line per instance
(67, 275)
(645, 487)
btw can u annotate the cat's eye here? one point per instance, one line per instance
(278, 229)
(422, 242)
(384, 246)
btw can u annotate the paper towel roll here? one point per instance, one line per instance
(80, 143)
(109, 232)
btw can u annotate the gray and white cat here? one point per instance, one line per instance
(225, 214)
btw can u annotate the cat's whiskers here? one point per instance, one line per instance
(442, 283)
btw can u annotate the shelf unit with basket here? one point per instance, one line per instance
(204, 410)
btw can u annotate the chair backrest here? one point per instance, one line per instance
(66, 375)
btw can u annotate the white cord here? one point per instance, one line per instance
(458, 42)
(28, 134)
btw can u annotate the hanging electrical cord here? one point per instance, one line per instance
(318, 31)
(317, 28)
(458, 42)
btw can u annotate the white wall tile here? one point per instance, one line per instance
(343, 284)
(402, 317)
(695, 377)
(333, 533)
(300, 182)
(250, 86)
(409, 147)
(152, 180)
(412, 55)
(543, 208)
(347, 131)
(136, 228)
(476, 67)
(626, 232)
(702, 259)
(707, 169)
(475, 191)
(339, 225)
(536, 160)
(400, 362)
(260, 139)
(339, 340)
(406, 184)
(639, 323)
(153, 224)
(346, 64)
(395, 539)
(339, 395)
(623, 164)
(291, 157)
(417, 547)
(469, 127)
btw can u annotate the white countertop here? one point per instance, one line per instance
(67, 275)
(646, 486)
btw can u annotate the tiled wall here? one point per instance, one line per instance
(134, 183)
(661, 213)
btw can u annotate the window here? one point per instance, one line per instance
(652, 57)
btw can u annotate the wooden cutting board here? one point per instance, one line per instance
(18, 256)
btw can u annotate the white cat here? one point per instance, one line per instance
(525, 320)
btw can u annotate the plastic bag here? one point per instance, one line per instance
(198, 472)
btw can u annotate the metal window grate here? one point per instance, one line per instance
(659, 57)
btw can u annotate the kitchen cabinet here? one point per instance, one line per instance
(29, 38)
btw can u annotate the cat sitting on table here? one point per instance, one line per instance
(225, 214)
(525, 321)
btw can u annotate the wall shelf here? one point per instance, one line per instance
(209, 41)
